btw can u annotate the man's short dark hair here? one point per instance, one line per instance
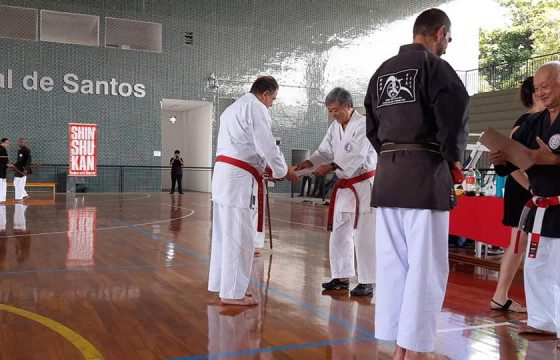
(526, 92)
(430, 21)
(4, 140)
(177, 152)
(264, 84)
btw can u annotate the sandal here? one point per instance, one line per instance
(509, 305)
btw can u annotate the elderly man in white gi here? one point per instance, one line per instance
(346, 150)
(245, 146)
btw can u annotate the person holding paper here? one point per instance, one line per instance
(417, 114)
(540, 134)
(346, 150)
(515, 196)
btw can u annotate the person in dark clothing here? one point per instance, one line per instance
(4, 162)
(22, 168)
(540, 133)
(305, 180)
(516, 195)
(177, 164)
(417, 114)
(319, 187)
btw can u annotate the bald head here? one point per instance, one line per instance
(547, 84)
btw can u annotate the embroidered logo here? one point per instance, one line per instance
(348, 147)
(396, 88)
(554, 142)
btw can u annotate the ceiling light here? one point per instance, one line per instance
(173, 119)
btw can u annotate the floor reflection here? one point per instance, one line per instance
(238, 328)
(81, 237)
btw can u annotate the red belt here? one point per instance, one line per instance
(258, 178)
(347, 184)
(541, 204)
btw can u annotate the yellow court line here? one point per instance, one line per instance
(88, 351)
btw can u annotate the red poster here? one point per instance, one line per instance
(82, 149)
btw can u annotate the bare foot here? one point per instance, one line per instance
(399, 353)
(526, 329)
(248, 293)
(558, 344)
(415, 355)
(257, 253)
(246, 301)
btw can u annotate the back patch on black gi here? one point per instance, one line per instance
(396, 88)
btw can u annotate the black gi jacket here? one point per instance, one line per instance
(544, 179)
(3, 162)
(416, 98)
(23, 161)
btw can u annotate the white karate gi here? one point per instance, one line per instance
(19, 185)
(353, 153)
(245, 134)
(411, 247)
(542, 286)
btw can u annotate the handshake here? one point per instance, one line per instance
(292, 174)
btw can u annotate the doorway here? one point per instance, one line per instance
(186, 126)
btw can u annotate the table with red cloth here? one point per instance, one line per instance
(480, 218)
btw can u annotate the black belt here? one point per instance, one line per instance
(391, 147)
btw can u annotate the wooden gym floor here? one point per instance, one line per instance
(123, 276)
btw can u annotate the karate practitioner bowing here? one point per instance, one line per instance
(245, 146)
(346, 150)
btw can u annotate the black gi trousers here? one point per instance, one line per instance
(177, 178)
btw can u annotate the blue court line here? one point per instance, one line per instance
(315, 310)
(95, 268)
(273, 349)
(280, 293)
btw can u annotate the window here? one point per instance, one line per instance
(18, 23)
(69, 28)
(133, 35)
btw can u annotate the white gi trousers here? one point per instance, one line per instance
(542, 286)
(19, 185)
(342, 241)
(3, 189)
(412, 271)
(259, 236)
(233, 233)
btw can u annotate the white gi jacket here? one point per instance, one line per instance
(245, 134)
(354, 154)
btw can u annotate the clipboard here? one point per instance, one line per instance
(515, 152)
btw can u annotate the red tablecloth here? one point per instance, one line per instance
(480, 218)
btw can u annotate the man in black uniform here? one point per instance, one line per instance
(4, 161)
(417, 114)
(22, 168)
(177, 164)
(541, 135)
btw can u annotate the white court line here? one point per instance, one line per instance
(110, 227)
(474, 327)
